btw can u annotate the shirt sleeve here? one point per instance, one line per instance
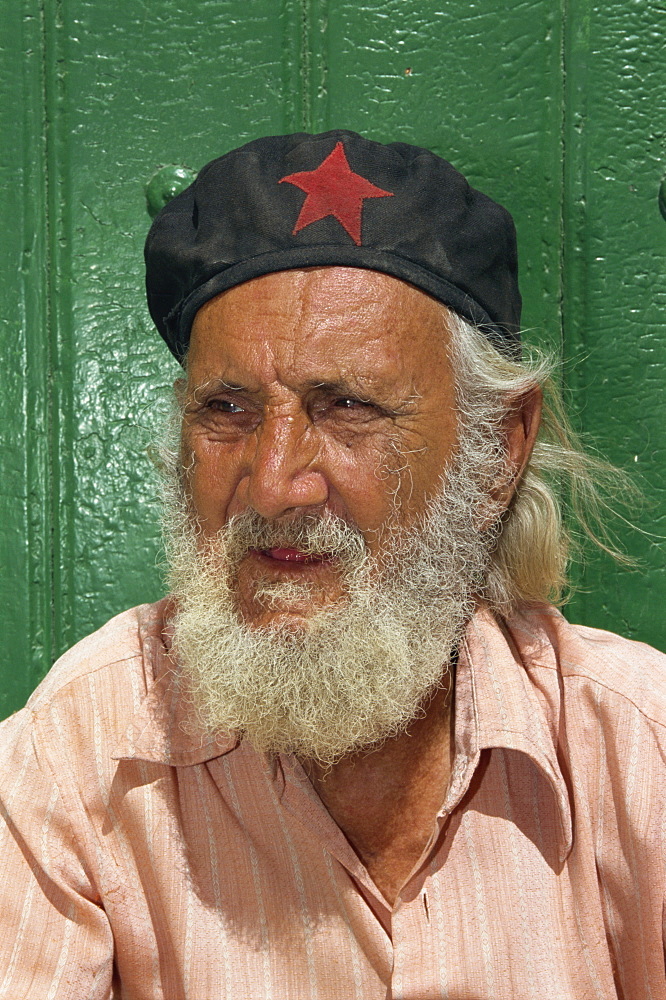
(55, 939)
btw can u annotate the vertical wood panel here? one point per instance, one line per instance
(615, 284)
(25, 399)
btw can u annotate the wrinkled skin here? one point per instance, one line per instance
(331, 388)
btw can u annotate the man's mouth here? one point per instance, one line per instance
(288, 555)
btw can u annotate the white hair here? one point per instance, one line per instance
(560, 497)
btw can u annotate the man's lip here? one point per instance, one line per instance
(288, 555)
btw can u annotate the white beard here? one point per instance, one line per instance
(358, 671)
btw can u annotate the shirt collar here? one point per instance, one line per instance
(162, 729)
(508, 696)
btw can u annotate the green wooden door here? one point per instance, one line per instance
(555, 109)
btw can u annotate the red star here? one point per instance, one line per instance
(334, 189)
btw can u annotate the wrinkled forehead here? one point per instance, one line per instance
(319, 323)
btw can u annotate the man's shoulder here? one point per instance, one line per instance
(112, 666)
(118, 647)
(598, 659)
(88, 699)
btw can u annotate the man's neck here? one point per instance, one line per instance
(386, 801)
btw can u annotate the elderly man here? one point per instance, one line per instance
(355, 753)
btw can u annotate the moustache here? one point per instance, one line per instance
(322, 535)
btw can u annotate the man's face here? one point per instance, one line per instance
(310, 391)
(322, 524)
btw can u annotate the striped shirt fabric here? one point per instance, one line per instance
(139, 861)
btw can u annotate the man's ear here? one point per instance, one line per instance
(521, 426)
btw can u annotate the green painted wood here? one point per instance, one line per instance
(554, 111)
(615, 286)
(25, 391)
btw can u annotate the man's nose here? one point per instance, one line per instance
(282, 472)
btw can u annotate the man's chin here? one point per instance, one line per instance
(285, 622)
(288, 607)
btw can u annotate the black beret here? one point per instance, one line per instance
(301, 200)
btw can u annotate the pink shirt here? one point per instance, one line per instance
(141, 863)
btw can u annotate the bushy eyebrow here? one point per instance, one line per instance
(367, 390)
(209, 387)
(363, 389)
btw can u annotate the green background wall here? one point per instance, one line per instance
(554, 108)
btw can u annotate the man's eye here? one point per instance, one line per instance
(349, 402)
(225, 406)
